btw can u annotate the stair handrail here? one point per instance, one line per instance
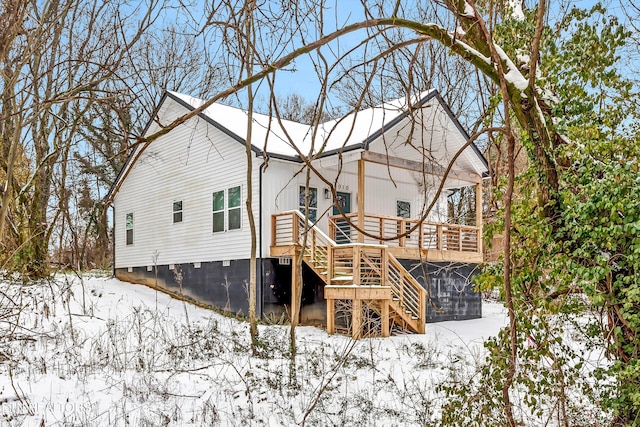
(318, 239)
(413, 298)
(417, 306)
(311, 226)
(334, 225)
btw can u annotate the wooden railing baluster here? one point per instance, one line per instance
(430, 235)
(359, 264)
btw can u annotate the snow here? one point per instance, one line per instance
(473, 51)
(104, 352)
(267, 132)
(99, 351)
(550, 97)
(514, 76)
(516, 9)
(468, 10)
(523, 57)
(287, 137)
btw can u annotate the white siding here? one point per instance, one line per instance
(383, 188)
(280, 193)
(188, 164)
(196, 159)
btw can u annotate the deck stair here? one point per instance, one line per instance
(356, 272)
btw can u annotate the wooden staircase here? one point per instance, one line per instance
(356, 272)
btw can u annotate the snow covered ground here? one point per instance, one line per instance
(97, 352)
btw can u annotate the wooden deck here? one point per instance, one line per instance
(429, 241)
(362, 273)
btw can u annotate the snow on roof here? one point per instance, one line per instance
(383, 124)
(357, 130)
(357, 127)
(267, 134)
(286, 137)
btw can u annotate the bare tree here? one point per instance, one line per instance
(52, 77)
(69, 87)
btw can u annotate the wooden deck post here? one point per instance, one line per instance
(479, 214)
(273, 230)
(331, 316)
(361, 199)
(384, 258)
(422, 309)
(329, 264)
(402, 228)
(356, 265)
(356, 318)
(385, 318)
(295, 224)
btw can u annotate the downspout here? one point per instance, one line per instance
(113, 240)
(260, 288)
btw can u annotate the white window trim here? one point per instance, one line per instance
(173, 212)
(239, 207)
(133, 229)
(303, 187)
(225, 209)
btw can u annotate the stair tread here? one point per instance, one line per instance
(403, 305)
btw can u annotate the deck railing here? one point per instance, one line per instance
(288, 228)
(425, 235)
(359, 264)
(356, 264)
(406, 289)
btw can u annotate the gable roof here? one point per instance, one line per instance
(284, 139)
(356, 130)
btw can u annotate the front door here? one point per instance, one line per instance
(343, 230)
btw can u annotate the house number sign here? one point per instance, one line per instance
(342, 187)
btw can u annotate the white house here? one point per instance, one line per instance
(180, 218)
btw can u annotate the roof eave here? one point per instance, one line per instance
(462, 130)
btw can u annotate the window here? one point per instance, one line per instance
(313, 202)
(177, 211)
(129, 228)
(218, 211)
(227, 209)
(403, 210)
(235, 210)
